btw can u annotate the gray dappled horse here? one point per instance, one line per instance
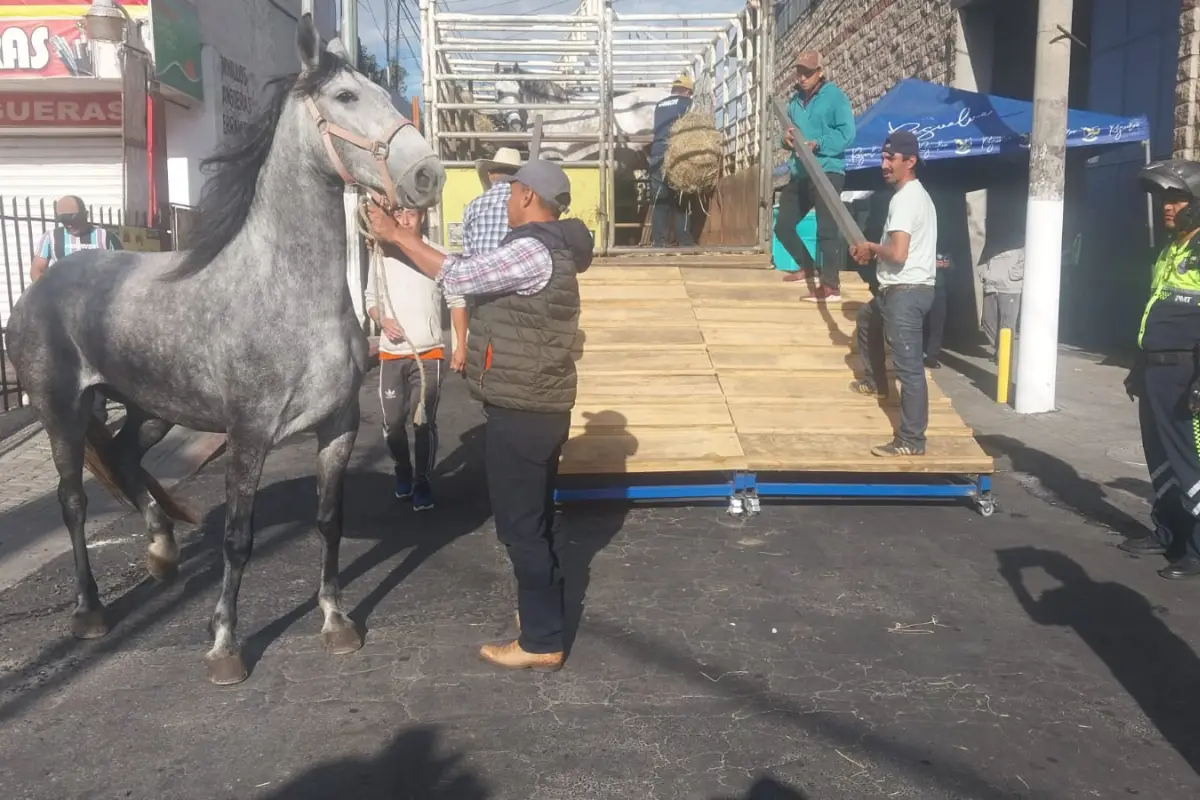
(251, 333)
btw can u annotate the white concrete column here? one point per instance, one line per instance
(1037, 353)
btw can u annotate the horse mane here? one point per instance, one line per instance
(229, 192)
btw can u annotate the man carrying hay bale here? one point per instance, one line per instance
(663, 200)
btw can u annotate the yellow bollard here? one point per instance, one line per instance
(1004, 365)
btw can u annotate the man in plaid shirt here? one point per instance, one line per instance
(519, 364)
(485, 220)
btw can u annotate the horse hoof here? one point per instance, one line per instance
(88, 625)
(227, 670)
(341, 641)
(161, 569)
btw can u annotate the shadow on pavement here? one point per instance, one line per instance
(410, 767)
(768, 789)
(1087, 498)
(370, 507)
(944, 768)
(130, 613)
(1157, 668)
(586, 530)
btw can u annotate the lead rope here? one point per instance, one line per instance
(381, 289)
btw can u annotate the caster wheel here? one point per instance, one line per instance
(736, 507)
(987, 506)
(752, 505)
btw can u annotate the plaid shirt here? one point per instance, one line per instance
(485, 221)
(523, 266)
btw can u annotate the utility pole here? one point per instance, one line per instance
(1037, 354)
(387, 37)
(355, 260)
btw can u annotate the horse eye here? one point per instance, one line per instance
(346, 96)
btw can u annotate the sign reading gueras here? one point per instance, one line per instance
(39, 110)
(42, 48)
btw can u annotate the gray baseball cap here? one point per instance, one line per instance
(547, 180)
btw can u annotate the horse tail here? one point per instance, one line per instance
(97, 457)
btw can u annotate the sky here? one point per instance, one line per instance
(371, 20)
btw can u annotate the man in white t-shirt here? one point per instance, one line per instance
(413, 321)
(906, 268)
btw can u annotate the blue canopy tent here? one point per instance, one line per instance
(956, 124)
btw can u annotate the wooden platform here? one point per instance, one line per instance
(699, 364)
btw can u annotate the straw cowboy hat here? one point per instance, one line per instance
(507, 160)
(684, 80)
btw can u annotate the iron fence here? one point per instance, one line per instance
(24, 221)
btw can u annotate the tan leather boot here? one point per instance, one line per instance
(511, 656)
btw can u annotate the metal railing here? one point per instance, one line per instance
(589, 58)
(24, 222)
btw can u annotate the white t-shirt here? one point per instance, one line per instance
(911, 211)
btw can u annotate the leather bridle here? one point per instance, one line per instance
(378, 148)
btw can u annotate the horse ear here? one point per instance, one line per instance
(308, 42)
(338, 49)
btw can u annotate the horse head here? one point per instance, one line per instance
(509, 93)
(356, 131)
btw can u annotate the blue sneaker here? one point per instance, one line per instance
(422, 497)
(404, 488)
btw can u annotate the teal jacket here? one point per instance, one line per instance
(826, 119)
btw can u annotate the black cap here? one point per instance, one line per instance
(902, 143)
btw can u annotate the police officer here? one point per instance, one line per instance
(663, 198)
(1166, 378)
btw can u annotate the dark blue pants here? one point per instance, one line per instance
(898, 313)
(522, 465)
(1171, 441)
(665, 201)
(795, 201)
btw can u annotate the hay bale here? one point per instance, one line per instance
(694, 154)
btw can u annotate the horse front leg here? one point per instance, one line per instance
(246, 456)
(335, 441)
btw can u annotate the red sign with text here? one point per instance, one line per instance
(42, 48)
(39, 110)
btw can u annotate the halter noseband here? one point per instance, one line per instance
(378, 148)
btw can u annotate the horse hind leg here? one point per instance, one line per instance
(246, 456)
(138, 434)
(66, 417)
(335, 441)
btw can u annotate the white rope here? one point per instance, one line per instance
(381, 290)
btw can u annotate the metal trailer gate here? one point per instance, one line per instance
(592, 59)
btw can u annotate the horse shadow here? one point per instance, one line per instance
(460, 485)
(410, 766)
(1154, 665)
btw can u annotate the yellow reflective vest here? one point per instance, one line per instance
(1176, 271)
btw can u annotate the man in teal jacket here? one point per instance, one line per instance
(823, 117)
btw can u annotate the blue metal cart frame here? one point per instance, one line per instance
(743, 490)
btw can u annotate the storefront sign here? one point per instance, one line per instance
(237, 97)
(43, 48)
(40, 110)
(63, 9)
(175, 27)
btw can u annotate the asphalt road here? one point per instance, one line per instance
(817, 651)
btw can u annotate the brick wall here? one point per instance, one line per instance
(868, 45)
(1187, 88)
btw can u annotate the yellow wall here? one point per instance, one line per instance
(463, 186)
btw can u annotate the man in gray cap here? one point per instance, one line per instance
(521, 331)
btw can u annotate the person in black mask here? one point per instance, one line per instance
(73, 232)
